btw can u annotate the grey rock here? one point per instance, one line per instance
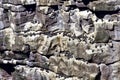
(1, 38)
(106, 5)
(46, 3)
(101, 35)
(105, 71)
(106, 55)
(34, 73)
(114, 69)
(60, 39)
(116, 32)
(1, 25)
(72, 67)
(18, 8)
(14, 1)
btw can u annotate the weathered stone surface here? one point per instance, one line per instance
(17, 2)
(116, 32)
(59, 39)
(114, 71)
(19, 8)
(4, 22)
(103, 53)
(100, 34)
(18, 18)
(31, 74)
(72, 67)
(107, 5)
(105, 71)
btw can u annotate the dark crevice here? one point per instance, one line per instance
(101, 14)
(112, 62)
(31, 7)
(9, 68)
(86, 1)
(72, 7)
(90, 61)
(48, 56)
(55, 7)
(83, 8)
(20, 55)
(5, 10)
(98, 77)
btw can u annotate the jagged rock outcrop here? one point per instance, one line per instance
(59, 39)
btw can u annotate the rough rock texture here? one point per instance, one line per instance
(59, 40)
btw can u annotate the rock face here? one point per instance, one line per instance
(59, 39)
(106, 5)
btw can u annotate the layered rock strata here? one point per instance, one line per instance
(59, 39)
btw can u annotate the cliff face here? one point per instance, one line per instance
(59, 40)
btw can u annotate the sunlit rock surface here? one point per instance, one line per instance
(59, 39)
